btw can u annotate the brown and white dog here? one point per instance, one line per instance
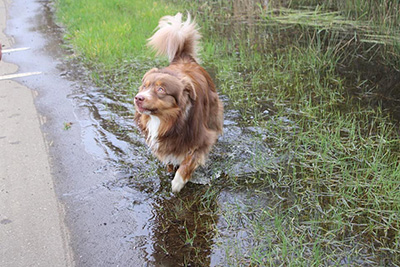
(177, 107)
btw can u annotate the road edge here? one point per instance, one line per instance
(32, 218)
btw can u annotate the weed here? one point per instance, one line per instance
(67, 125)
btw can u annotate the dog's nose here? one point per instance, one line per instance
(139, 98)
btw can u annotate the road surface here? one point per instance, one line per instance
(56, 208)
(32, 230)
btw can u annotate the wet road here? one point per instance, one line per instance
(32, 232)
(100, 233)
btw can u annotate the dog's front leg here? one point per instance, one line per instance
(185, 171)
(171, 168)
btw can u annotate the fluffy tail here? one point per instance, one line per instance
(175, 38)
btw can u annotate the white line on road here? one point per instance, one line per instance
(18, 75)
(15, 49)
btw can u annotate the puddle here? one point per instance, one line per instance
(189, 229)
(369, 55)
(173, 230)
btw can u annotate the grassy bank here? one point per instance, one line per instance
(109, 37)
(319, 82)
(109, 32)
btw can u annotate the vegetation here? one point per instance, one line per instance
(320, 81)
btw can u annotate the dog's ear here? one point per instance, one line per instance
(189, 88)
(149, 72)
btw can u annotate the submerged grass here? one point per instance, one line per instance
(301, 73)
(343, 168)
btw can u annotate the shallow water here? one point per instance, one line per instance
(109, 133)
(188, 229)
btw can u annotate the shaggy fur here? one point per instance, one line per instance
(178, 109)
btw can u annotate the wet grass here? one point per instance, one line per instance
(318, 83)
(185, 228)
(283, 69)
(110, 32)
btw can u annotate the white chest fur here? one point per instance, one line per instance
(152, 129)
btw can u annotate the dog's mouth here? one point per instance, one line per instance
(143, 110)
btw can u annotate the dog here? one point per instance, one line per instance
(177, 107)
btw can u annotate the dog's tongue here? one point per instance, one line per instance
(142, 109)
(139, 106)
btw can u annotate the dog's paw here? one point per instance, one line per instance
(177, 183)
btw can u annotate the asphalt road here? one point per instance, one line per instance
(32, 230)
(56, 205)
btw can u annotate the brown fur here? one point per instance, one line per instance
(188, 108)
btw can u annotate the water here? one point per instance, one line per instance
(189, 229)
(168, 222)
(179, 230)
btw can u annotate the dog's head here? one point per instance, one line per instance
(163, 92)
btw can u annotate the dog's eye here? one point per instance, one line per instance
(160, 90)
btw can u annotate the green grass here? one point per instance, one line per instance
(342, 174)
(109, 38)
(297, 72)
(109, 32)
